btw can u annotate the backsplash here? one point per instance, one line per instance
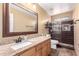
(11, 39)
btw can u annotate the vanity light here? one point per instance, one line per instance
(34, 6)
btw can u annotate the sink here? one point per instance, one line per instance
(26, 42)
(20, 45)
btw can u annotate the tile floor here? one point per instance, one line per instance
(63, 52)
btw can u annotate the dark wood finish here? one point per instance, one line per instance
(6, 32)
(5, 20)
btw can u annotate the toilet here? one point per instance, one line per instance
(54, 44)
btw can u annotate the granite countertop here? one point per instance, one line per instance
(6, 50)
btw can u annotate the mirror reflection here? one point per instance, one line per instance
(21, 19)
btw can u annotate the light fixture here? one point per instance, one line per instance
(34, 5)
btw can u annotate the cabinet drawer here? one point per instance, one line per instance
(30, 52)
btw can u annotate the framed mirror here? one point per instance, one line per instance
(18, 20)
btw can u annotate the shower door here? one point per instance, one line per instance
(67, 32)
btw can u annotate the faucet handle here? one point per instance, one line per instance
(19, 39)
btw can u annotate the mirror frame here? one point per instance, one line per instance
(6, 32)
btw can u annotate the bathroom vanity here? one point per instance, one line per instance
(39, 47)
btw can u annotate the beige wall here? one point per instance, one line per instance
(41, 17)
(61, 15)
(76, 28)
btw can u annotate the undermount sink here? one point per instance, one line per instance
(20, 45)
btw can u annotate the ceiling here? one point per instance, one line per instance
(56, 8)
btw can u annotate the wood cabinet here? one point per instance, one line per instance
(49, 47)
(30, 52)
(45, 48)
(41, 49)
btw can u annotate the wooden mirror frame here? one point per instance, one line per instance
(6, 32)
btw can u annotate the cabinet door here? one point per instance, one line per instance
(44, 48)
(30, 52)
(44, 51)
(39, 50)
(49, 47)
